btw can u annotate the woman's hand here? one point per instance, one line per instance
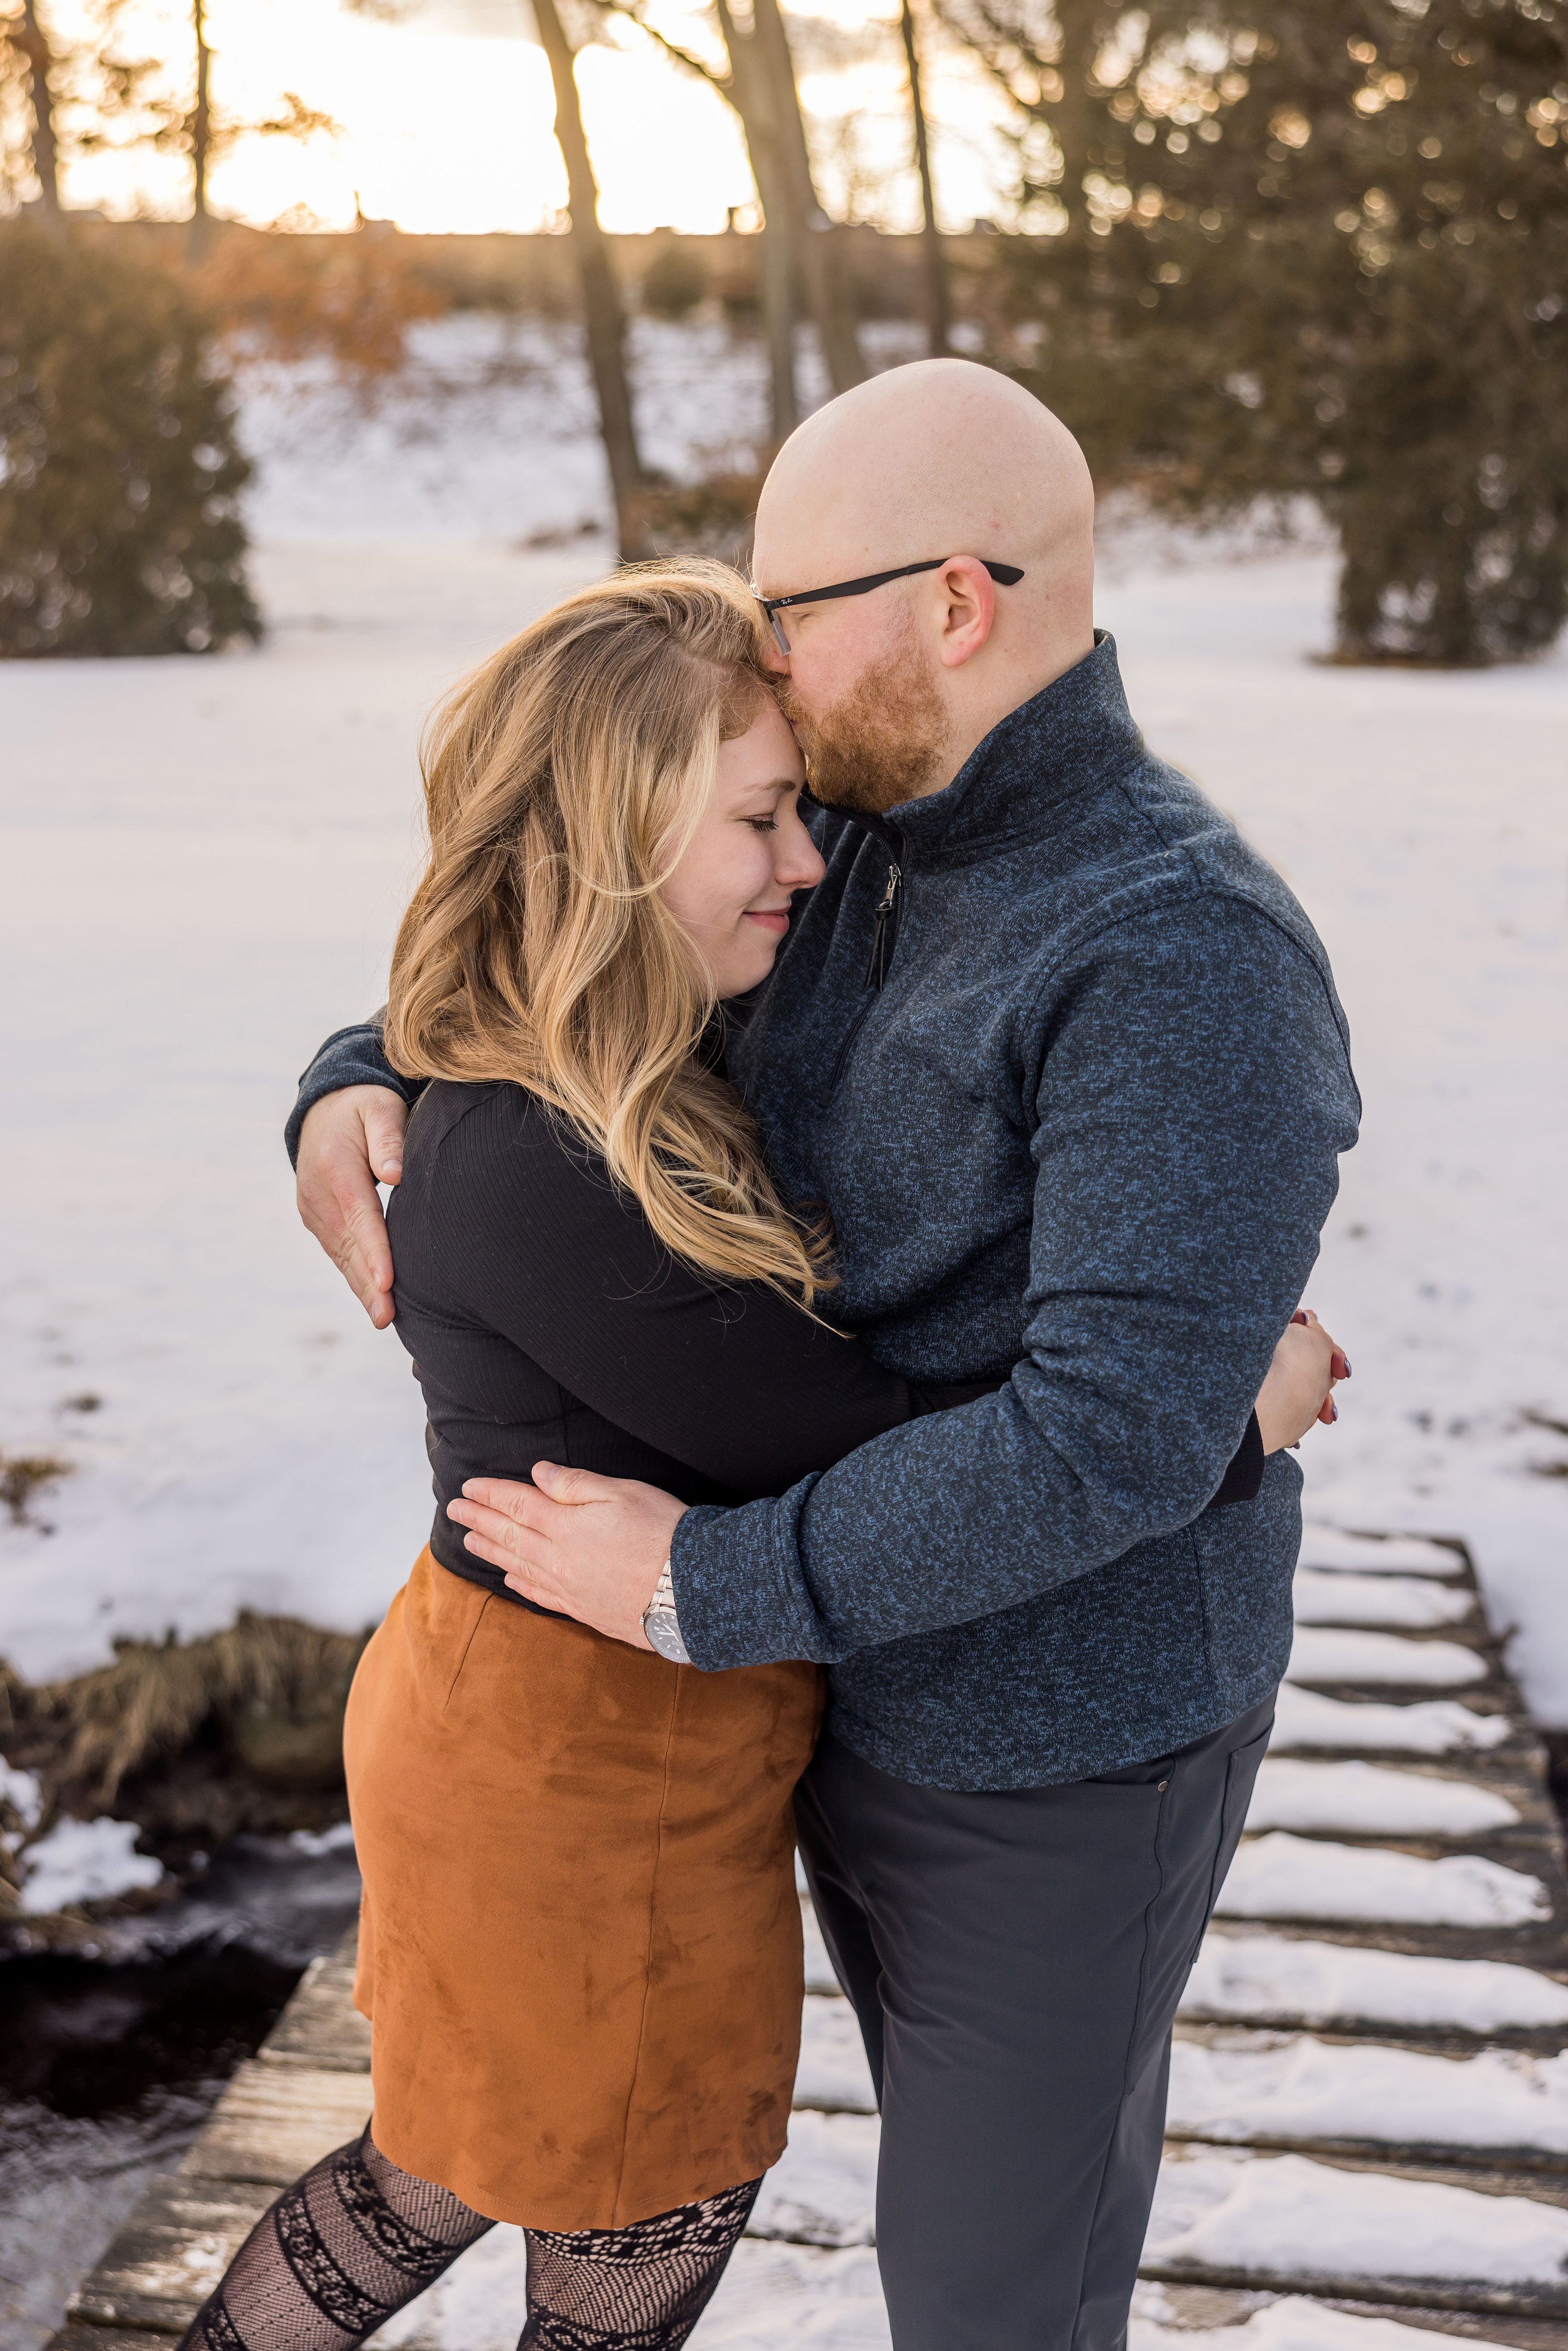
(1300, 1388)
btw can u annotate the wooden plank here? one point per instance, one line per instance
(273, 2121)
(320, 2028)
(1211, 2308)
(166, 2260)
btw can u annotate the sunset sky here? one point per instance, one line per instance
(446, 115)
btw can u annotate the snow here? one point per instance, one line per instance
(1342, 1599)
(1319, 1655)
(201, 865)
(1431, 1727)
(822, 2191)
(772, 2297)
(1372, 1799)
(1272, 2216)
(833, 2074)
(480, 2304)
(85, 1861)
(776, 2295)
(1239, 1975)
(317, 1842)
(1284, 1877)
(1330, 1549)
(24, 1793)
(1304, 2088)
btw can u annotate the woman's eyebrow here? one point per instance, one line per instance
(778, 784)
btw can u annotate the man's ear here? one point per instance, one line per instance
(968, 607)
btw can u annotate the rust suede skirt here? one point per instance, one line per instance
(579, 1946)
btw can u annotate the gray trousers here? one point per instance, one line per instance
(1015, 1959)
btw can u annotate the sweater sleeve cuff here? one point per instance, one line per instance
(741, 1598)
(351, 1057)
(1244, 1476)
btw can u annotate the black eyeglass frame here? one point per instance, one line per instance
(1006, 575)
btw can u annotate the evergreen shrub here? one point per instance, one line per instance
(1315, 248)
(120, 471)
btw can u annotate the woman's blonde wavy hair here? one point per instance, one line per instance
(563, 780)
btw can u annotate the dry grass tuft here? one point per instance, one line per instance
(24, 1475)
(275, 1685)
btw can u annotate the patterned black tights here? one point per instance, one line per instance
(356, 2239)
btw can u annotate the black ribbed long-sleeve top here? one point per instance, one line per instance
(548, 1322)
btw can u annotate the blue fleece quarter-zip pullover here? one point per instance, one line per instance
(1062, 1057)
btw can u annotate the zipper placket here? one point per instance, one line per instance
(884, 940)
(881, 946)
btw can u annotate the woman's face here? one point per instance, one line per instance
(730, 892)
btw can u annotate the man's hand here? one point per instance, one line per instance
(1299, 1389)
(586, 1546)
(348, 1140)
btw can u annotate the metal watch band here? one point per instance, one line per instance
(661, 1624)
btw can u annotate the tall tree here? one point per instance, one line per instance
(748, 91)
(938, 299)
(33, 42)
(803, 262)
(825, 269)
(603, 315)
(201, 131)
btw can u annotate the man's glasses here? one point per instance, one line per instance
(1006, 575)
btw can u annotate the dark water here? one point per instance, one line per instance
(110, 2063)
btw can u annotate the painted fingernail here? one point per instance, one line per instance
(1345, 1361)
(1334, 1409)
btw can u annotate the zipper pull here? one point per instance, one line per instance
(876, 969)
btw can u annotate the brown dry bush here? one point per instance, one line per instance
(351, 301)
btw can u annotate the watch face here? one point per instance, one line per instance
(666, 1634)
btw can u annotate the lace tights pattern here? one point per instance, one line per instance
(356, 2239)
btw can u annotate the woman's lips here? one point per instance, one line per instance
(775, 919)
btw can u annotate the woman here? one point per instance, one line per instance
(580, 1946)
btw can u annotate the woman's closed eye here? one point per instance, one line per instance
(762, 823)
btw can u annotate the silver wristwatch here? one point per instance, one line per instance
(660, 1622)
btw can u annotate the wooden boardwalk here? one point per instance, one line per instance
(1369, 2102)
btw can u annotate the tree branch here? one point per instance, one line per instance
(636, 11)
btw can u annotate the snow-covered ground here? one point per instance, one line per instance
(204, 860)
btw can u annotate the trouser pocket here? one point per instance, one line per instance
(1240, 1777)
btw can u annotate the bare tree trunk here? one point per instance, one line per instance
(778, 317)
(752, 99)
(35, 45)
(201, 134)
(822, 252)
(603, 312)
(938, 300)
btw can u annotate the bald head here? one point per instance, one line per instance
(943, 458)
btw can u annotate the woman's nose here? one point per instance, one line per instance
(800, 865)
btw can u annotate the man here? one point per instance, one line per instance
(1062, 1057)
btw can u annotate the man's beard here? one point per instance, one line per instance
(879, 743)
